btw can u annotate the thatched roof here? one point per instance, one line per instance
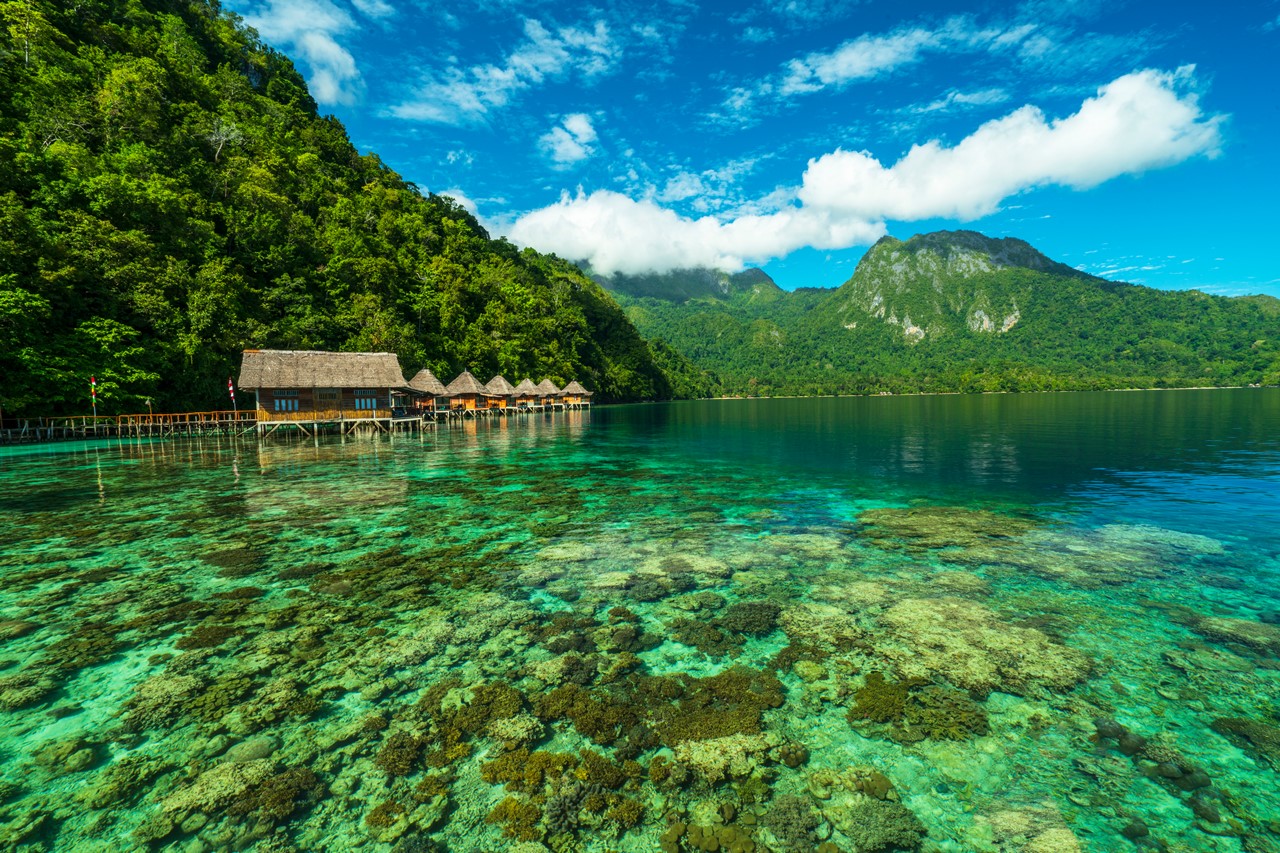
(464, 383)
(499, 387)
(425, 382)
(576, 388)
(311, 369)
(526, 388)
(547, 388)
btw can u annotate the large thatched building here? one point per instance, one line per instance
(306, 385)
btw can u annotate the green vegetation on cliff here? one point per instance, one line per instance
(169, 196)
(957, 311)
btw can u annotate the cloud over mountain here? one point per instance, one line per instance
(1141, 121)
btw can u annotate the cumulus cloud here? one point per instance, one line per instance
(310, 29)
(1141, 121)
(463, 96)
(615, 233)
(570, 142)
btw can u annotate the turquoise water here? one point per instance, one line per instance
(1004, 623)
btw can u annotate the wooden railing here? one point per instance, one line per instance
(268, 416)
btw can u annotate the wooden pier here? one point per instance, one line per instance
(80, 427)
(250, 422)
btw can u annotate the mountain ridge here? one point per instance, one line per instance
(961, 311)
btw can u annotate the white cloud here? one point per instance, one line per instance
(570, 142)
(309, 29)
(1141, 121)
(374, 8)
(463, 96)
(1138, 122)
(955, 99)
(863, 58)
(615, 233)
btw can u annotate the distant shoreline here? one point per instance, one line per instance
(982, 393)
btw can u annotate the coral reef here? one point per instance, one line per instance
(912, 711)
(970, 646)
(793, 822)
(1260, 739)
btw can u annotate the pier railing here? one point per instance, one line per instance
(138, 425)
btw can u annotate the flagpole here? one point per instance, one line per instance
(231, 388)
(93, 391)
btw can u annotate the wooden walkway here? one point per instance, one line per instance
(82, 427)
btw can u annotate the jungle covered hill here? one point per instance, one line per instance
(169, 195)
(953, 311)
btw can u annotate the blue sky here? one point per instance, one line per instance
(1135, 140)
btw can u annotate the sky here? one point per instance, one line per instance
(1133, 140)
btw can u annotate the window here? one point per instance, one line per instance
(366, 399)
(286, 399)
(328, 397)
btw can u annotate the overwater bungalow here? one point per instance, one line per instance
(500, 392)
(548, 393)
(313, 387)
(526, 394)
(466, 394)
(575, 395)
(428, 391)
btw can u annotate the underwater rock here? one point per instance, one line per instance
(24, 690)
(933, 528)
(12, 629)
(875, 826)
(123, 780)
(159, 700)
(734, 756)
(972, 648)
(1262, 740)
(809, 672)
(71, 755)
(1135, 829)
(516, 731)
(750, 617)
(1258, 636)
(217, 787)
(793, 822)
(1031, 830)
(821, 626)
(252, 749)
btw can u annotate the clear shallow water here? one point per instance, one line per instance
(859, 623)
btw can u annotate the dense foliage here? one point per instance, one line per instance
(169, 196)
(1072, 331)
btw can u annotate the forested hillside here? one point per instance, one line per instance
(169, 195)
(957, 311)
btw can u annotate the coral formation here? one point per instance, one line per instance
(913, 710)
(793, 822)
(970, 646)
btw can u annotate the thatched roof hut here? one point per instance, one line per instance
(465, 384)
(425, 382)
(526, 388)
(499, 387)
(314, 369)
(575, 389)
(547, 388)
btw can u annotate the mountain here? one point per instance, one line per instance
(960, 311)
(684, 285)
(169, 195)
(940, 279)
